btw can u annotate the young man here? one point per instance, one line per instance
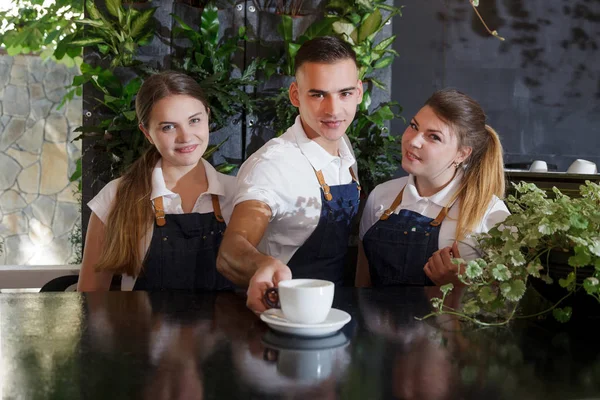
(298, 194)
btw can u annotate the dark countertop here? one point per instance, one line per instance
(121, 345)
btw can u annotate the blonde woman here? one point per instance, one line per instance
(160, 225)
(413, 226)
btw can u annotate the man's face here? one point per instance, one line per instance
(326, 96)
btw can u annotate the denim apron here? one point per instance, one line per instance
(399, 245)
(183, 251)
(323, 255)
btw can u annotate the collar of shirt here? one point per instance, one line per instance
(441, 198)
(159, 188)
(318, 157)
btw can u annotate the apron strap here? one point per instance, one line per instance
(386, 214)
(436, 222)
(159, 211)
(217, 208)
(354, 178)
(324, 186)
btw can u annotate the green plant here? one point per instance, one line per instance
(377, 153)
(208, 60)
(520, 248)
(359, 22)
(32, 26)
(117, 36)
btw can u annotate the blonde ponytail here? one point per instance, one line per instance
(483, 179)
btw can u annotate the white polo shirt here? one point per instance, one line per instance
(281, 175)
(384, 194)
(220, 184)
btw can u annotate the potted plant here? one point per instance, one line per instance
(549, 239)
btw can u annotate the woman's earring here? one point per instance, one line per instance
(456, 164)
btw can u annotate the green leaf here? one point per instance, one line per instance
(501, 272)
(562, 314)
(514, 290)
(381, 46)
(384, 62)
(595, 246)
(77, 173)
(369, 26)
(209, 24)
(473, 269)
(581, 258)
(447, 288)
(87, 41)
(591, 285)
(114, 8)
(347, 30)
(92, 10)
(285, 28)
(130, 115)
(568, 283)
(318, 28)
(471, 307)
(142, 22)
(487, 295)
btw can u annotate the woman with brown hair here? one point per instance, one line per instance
(413, 226)
(160, 224)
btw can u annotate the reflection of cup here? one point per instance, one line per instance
(538, 166)
(305, 301)
(582, 167)
(304, 359)
(306, 365)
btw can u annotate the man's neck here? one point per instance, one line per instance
(332, 147)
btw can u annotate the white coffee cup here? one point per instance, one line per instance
(538, 166)
(304, 301)
(582, 167)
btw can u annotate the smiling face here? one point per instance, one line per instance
(326, 96)
(178, 127)
(430, 148)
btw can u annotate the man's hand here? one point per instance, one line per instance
(440, 268)
(265, 277)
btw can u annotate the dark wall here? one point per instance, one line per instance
(540, 87)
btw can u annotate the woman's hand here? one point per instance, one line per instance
(440, 268)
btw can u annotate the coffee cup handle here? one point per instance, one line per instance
(271, 297)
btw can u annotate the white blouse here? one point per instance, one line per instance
(384, 194)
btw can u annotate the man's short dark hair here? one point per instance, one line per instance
(324, 50)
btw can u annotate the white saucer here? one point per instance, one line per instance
(335, 320)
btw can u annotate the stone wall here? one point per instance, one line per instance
(39, 207)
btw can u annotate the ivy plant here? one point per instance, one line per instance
(520, 248)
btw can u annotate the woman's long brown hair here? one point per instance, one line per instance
(484, 169)
(131, 214)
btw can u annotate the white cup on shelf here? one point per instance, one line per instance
(580, 166)
(538, 166)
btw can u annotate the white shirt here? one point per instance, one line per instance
(384, 194)
(281, 175)
(220, 184)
